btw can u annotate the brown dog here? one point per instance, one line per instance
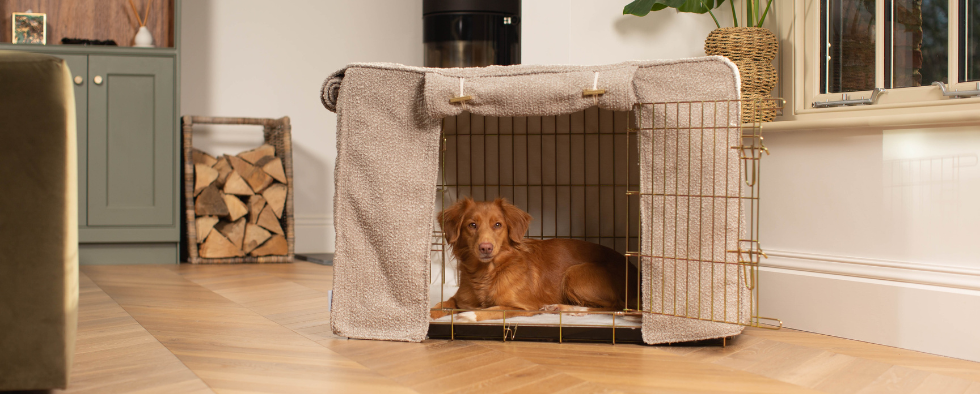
(501, 270)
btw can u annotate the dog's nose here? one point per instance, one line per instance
(486, 248)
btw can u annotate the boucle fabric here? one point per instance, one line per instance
(690, 220)
(388, 129)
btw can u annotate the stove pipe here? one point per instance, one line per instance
(471, 33)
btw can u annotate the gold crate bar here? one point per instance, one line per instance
(598, 199)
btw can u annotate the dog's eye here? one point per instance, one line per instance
(497, 225)
(472, 225)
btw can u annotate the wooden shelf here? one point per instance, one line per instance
(95, 20)
(89, 50)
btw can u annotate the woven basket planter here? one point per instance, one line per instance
(752, 49)
(276, 132)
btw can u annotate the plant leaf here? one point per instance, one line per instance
(643, 7)
(699, 6)
(734, 14)
(639, 7)
(749, 15)
(763, 19)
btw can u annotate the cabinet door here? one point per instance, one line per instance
(78, 64)
(131, 141)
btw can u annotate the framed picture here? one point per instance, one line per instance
(29, 28)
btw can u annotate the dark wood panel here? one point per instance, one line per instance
(95, 19)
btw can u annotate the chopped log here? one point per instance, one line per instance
(238, 164)
(275, 246)
(275, 196)
(254, 155)
(199, 157)
(273, 167)
(203, 176)
(224, 169)
(267, 219)
(254, 236)
(200, 240)
(234, 231)
(257, 179)
(236, 208)
(218, 246)
(263, 161)
(236, 185)
(210, 203)
(204, 225)
(255, 205)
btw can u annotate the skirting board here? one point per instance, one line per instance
(314, 234)
(136, 253)
(888, 270)
(931, 319)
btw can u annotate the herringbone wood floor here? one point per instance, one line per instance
(265, 328)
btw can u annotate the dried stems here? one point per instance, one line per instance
(146, 15)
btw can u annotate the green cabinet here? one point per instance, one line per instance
(127, 105)
(131, 145)
(128, 154)
(130, 194)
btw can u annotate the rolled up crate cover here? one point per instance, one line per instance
(388, 128)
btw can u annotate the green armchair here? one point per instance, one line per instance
(38, 222)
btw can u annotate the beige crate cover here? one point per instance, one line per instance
(388, 129)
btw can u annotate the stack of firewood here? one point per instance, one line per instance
(239, 201)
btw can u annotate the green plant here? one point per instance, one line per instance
(752, 8)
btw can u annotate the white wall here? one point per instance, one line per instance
(872, 234)
(596, 32)
(257, 58)
(869, 237)
(238, 59)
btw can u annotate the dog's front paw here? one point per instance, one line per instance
(466, 317)
(435, 314)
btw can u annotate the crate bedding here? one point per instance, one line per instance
(388, 130)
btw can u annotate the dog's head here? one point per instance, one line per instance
(484, 228)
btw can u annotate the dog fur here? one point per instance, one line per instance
(501, 270)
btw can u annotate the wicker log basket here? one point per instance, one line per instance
(752, 49)
(277, 134)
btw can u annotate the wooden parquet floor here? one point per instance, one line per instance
(265, 328)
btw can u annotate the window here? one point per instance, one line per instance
(900, 45)
(848, 29)
(916, 43)
(969, 34)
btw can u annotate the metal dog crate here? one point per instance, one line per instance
(578, 175)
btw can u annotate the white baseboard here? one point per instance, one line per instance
(888, 270)
(314, 234)
(928, 308)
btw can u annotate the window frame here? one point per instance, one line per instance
(798, 27)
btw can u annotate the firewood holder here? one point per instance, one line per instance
(276, 132)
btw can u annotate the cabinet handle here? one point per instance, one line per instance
(79, 80)
(97, 79)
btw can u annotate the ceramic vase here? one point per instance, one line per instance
(143, 38)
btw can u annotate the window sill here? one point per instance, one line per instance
(896, 117)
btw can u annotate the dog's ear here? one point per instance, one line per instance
(452, 218)
(517, 220)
